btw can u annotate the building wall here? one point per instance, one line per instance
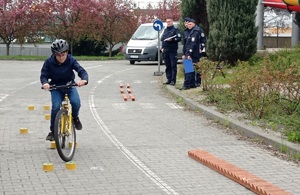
(26, 49)
(277, 42)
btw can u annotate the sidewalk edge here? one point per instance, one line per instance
(247, 130)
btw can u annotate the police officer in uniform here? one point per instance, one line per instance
(191, 50)
(202, 54)
(170, 39)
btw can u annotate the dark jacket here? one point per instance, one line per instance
(186, 33)
(202, 39)
(60, 74)
(192, 43)
(171, 45)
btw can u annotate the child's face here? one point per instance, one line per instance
(61, 57)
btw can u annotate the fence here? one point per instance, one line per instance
(44, 49)
(26, 49)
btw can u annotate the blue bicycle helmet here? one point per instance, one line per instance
(59, 46)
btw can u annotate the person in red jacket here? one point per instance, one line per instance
(58, 70)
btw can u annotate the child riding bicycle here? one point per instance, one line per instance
(58, 70)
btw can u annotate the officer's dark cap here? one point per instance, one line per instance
(186, 19)
(190, 20)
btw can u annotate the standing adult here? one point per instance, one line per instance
(191, 50)
(202, 52)
(170, 39)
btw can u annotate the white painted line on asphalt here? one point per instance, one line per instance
(174, 105)
(161, 184)
(34, 82)
(137, 81)
(3, 96)
(120, 106)
(97, 168)
(147, 105)
(92, 67)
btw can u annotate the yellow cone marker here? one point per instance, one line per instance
(47, 116)
(30, 107)
(70, 144)
(71, 165)
(46, 107)
(48, 167)
(23, 130)
(52, 145)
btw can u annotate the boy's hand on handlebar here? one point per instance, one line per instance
(46, 86)
(81, 83)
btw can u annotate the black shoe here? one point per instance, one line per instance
(50, 136)
(172, 83)
(77, 123)
(198, 84)
(184, 88)
(167, 83)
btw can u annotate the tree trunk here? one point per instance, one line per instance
(7, 48)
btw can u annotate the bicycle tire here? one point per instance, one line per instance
(65, 143)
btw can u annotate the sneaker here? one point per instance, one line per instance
(50, 136)
(167, 83)
(77, 123)
(172, 83)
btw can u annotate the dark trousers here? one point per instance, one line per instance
(192, 79)
(189, 80)
(198, 78)
(170, 59)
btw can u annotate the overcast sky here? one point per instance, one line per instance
(143, 4)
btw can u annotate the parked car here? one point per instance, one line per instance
(143, 45)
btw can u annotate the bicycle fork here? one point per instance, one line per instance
(67, 121)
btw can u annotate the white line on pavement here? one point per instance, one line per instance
(3, 96)
(174, 106)
(161, 184)
(92, 67)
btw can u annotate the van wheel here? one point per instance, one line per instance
(131, 61)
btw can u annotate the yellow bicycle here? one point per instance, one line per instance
(64, 129)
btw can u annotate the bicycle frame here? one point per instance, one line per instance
(66, 105)
(64, 130)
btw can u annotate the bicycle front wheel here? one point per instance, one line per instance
(65, 140)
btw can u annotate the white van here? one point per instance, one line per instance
(143, 45)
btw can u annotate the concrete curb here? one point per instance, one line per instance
(247, 130)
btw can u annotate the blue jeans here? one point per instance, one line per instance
(57, 97)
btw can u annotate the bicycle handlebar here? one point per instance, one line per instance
(62, 86)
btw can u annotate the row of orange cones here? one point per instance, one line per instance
(128, 91)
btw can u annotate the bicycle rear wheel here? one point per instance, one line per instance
(65, 141)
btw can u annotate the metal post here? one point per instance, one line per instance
(158, 73)
(260, 24)
(295, 33)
